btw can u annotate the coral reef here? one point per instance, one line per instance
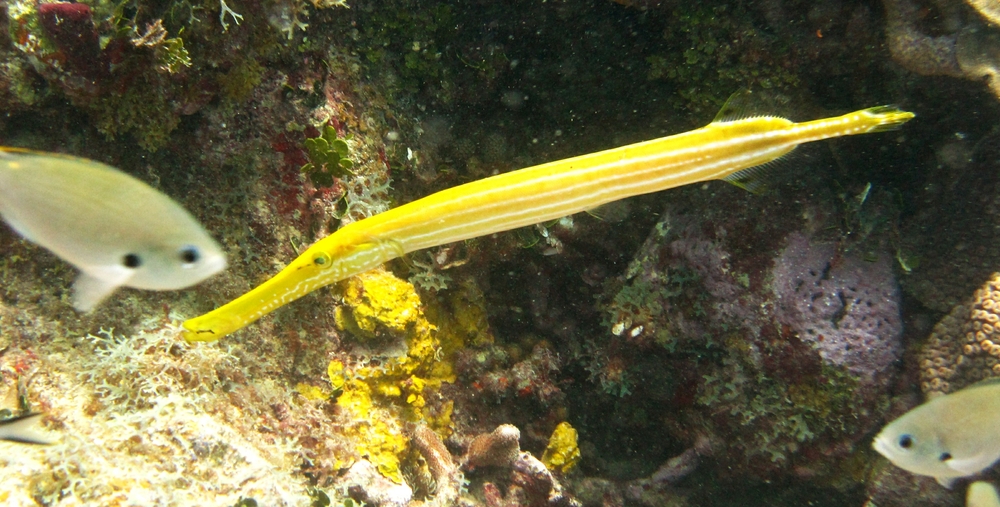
(657, 488)
(448, 479)
(955, 45)
(149, 399)
(951, 233)
(964, 347)
(698, 357)
(892, 487)
(364, 483)
(378, 304)
(498, 448)
(790, 358)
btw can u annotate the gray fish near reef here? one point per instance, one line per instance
(949, 437)
(23, 430)
(117, 230)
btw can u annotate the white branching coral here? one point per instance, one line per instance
(224, 10)
(150, 420)
(128, 373)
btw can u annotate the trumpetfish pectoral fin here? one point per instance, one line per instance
(753, 180)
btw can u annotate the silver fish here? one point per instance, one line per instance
(117, 230)
(23, 430)
(951, 436)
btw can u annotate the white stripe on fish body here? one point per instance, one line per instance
(117, 230)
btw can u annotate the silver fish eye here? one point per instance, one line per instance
(189, 254)
(945, 456)
(131, 260)
(906, 441)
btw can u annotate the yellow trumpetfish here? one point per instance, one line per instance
(726, 149)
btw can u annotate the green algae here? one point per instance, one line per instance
(725, 52)
(328, 158)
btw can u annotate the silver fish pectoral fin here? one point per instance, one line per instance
(947, 482)
(93, 285)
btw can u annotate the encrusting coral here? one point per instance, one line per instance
(383, 394)
(780, 356)
(149, 400)
(964, 346)
(562, 453)
(847, 307)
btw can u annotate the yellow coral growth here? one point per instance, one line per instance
(462, 313)
(379, 300)
(377, 437)
(335, 371)
(403, 388)
(311, 392)
(562, 453)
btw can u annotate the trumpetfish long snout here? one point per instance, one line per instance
(728, 149)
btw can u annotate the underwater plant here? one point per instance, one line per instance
(328, 157)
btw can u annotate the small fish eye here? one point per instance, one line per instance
(321, 259)
(131, 261)
(189, 255)
(906, 441)
(945, 456)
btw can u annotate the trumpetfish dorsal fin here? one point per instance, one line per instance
(746, 104)
(741, 105)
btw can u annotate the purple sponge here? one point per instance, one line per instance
(845, 307)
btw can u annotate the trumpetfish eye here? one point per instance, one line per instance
(321, 259)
